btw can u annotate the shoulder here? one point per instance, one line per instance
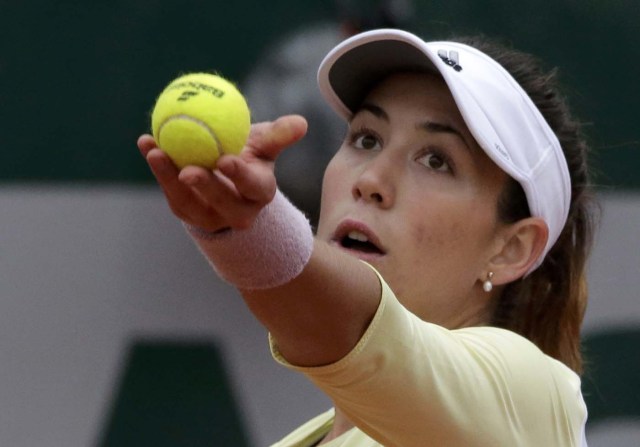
(505, 346)
(494, 352)
(532, 377)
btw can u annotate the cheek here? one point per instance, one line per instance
(423, 234)
(452, 233)
(431, 219)
(333, 188)
(436, 237)
(332, 182)
(446, 257)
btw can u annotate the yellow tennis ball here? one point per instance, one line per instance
(198, 117)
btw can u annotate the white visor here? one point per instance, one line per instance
(499, 114)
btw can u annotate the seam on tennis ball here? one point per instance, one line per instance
(221, 149)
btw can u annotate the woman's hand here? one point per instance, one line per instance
(233, 194)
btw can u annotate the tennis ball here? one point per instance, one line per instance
(198, 117)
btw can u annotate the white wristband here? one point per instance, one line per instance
(272, 252)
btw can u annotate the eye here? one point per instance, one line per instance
(366, 139)
(436, 161)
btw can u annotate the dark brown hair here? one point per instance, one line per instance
(548, 305)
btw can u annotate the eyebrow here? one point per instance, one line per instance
(377, 111)
(429, 126)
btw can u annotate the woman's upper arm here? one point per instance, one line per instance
(319, 316)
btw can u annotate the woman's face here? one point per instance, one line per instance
(412, 193)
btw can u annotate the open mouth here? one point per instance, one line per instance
(358, 241)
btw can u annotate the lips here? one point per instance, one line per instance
(358, 238)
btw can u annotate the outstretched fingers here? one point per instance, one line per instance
(145, 144)
(254, 181)
(223, 195)
(233, 194)
(269, 139)
(180, 197)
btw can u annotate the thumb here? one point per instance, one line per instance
(268, 139)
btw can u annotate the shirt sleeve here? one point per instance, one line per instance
(411, 383)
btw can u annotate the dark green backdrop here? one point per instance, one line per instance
(77, 79)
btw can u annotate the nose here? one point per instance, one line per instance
(376, 182)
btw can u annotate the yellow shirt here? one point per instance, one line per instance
(412, 383)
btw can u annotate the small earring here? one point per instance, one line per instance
(487, 286)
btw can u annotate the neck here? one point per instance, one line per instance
(341, 424)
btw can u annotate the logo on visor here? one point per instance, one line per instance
(450, 58)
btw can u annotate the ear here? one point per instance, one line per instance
(521, 245)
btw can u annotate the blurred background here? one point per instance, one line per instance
(114, 331)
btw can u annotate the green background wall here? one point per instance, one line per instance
(77, 79)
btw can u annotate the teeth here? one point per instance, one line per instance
(356, 235)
